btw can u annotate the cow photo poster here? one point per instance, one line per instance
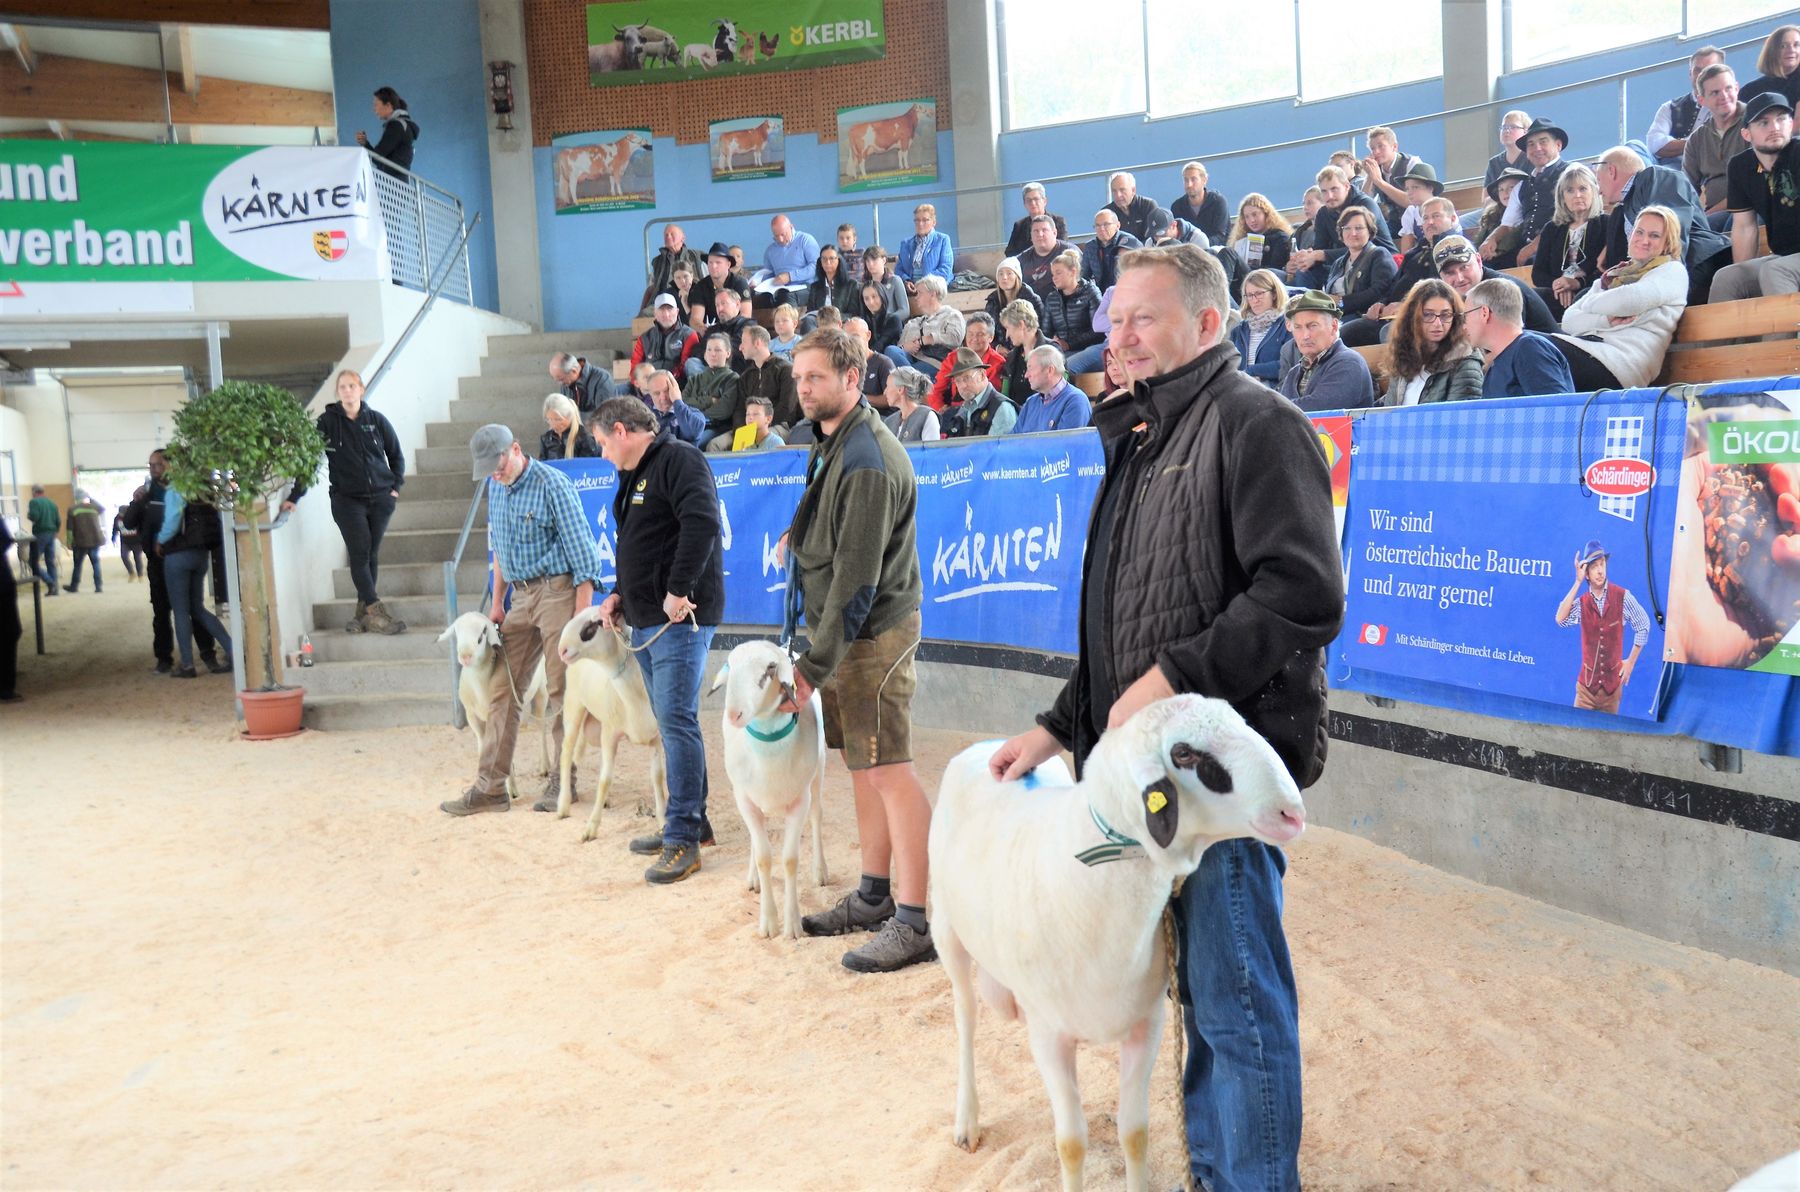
(603, 171)
(887, 144)
(748, 147)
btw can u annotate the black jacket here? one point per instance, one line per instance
(1020, 239)
(773, 379)
(1325, 233)
(1212, 216)
(1277, 245)
(703, 292)
(1070, 317)
(1537, 315)
(363, 458)
(550, 446)
(1365, 281)
(667, 514)
(589, 389)
(884, 329)
(1100, 262)
(398, 132)
(1134, 217)
(822, 293)
(1547, 265)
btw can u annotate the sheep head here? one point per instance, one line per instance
(585, 637)
(475, 634)
(757, 676)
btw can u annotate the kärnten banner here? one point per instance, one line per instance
(671, 41)
(117, 212)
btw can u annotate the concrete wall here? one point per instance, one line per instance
(43, 437)
(115, 420)
(15, 436)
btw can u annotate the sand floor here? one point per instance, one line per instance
(278, 965)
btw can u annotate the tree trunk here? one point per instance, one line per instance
(260, 602)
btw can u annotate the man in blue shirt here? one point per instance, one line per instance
(790, 265)
(1054, 404)
(926, 251)
(1520, 363)
(545, 550)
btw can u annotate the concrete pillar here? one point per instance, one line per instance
(1474, 59)
(975, 108)
(510, 166)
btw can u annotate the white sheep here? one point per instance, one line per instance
(699, 54)
(478, 653)
(1072, 944)
(776, 761)
(604, 685)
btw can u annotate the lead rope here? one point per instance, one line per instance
(625, 639)
(1172, 948)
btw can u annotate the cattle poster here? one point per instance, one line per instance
(887, 144)
(748, 147)
(672, 41)
(1734, 598)
(603, 171)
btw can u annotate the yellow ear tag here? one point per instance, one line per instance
(1156, 802)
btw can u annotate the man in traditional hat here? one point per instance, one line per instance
(1327, 375)
(1533, 204)
(1602, 612)
(701, 299)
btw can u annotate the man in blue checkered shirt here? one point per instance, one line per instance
(545, 550)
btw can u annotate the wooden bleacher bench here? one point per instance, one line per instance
(1093, 384)
(968, 301)
(1522, 272)
(621, 369)
(980, 260)
(640, 325)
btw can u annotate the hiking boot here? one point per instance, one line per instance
(377, 619)
(162, 668)
(553, 790)
(850, 914)
(184, 672)
(356, 624)
(474, 802)
(649, 846)
(894, 947)
(677, 862)
(215, 666)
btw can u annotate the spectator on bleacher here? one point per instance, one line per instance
(639, 386)
(718, 392)
(1428, 357)
(673, 253)
(1165, 228)
(849, 254)
(1348, 163)
(1054, 403)
(978, 338)
(1326, 375)
(1615, 335)
(1437, 221)
(667, 342)
(1036, 203)
(767, 375)
(878, 271)
(1362, 274)
(1779, 62)
(790, 264)
(1512, 129)
(925, 253)
(1205, 209)
(1533, 202)
(1676, 120)
(1132, 208)
(1715, 140)
(1010, 287)
(702, 299)
(736, 253)
(1046, 246)
(1520, 363)
(581, 382)
(1631, 187)
(1460, 265)
(685, 422)
(1262, 330)
(1020, 322)
(566, 437)
(1764, 184)
(1384, 173)
(933, 333)
(827, 316)
(1302, 236)
(730, 324)
(909, 417)
(832, 285)
(1069, 310)
(1499, 192)
(784, 330)
(681, 285)
(1568, 255)
(1100, 256)
(1314, 264)
(398, 132)
(759, 417)
(1420, 184)
(876, 367)
(980, 409)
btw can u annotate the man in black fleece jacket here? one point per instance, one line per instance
(669, 570)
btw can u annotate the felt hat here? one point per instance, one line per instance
(1493, 188)
(964, 361)
(1545, 124)
(1422, 172)
(718, 249)
(1593, 550)
(1316, 300)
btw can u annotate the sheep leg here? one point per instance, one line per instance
(1137, 1056)
(1055, 1056)
(817, 815)
(609, 751)
(659, 780)
(790, 866)
(574, 719)
(960, 965)
(761, 863)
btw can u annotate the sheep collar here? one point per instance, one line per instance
(1117, 846)
(779, 734)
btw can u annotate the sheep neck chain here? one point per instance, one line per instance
(1117, 846)
(769, 738)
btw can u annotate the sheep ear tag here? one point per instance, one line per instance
(1161, 812)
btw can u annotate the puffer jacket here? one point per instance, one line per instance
(1222, 566)
(1460, 380)
(1634, 351)
(1070, 317)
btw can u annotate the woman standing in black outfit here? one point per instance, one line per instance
(398, 130)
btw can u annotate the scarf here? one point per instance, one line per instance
(1626, 272)
(1259, 324)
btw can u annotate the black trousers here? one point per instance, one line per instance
(1589, 374)
(362, 521)
(10, 631)
(162, 617)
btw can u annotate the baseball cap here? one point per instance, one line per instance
(1763, 103)
(1452, 250)
(1315, 300)
(964, 361)
(1161, 220)
(486, 447)
(666, 300)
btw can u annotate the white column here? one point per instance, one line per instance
(975, 108)
(513, 183)
(1474, 59)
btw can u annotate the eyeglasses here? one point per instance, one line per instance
(1437, 316)
(1466, 312)
(1514, 127)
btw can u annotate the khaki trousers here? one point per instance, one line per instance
(532, 629)
(1598, 701)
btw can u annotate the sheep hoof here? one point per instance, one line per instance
(968, 1140)
(590, 833)
(647, 811)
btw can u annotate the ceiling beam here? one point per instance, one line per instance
(79, 89)
(259, 14)
(178, 56)
(19, 44)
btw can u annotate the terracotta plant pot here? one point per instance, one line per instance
(269, 715)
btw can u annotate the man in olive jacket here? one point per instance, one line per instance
(1217, 501)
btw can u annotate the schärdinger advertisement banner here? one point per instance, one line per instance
(116, 212)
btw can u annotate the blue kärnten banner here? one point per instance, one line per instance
(1485, 551)
(1001, 527)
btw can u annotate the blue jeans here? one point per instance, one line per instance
(185, 572)
(674, 667)
(92, 555)
(904, 359)
(1241, 1015)
(43, 558)
(1086, 360)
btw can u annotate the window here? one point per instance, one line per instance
(1051, 77)
(1703, 16)
(1554, 30)
(1201, 56)
(1346, 49)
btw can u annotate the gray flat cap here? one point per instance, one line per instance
(486, 447)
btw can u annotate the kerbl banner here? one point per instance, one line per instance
(1518, 547)
(670, 41)
(1001, 526)
(118, 212)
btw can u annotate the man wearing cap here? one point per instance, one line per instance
(544, 551)
(1384, 172)
(1602, 612)
(581, 382)
(1629, 186)
(978, 337)
(980, 409)
(1763, 183)
(1132, 208)
(1460, 266)
(674, 253)
(1100, 256)
(1036, 203)
(1326, 375)
(702, 308)
(1199, 207)
(1168, 228)
(1520, 363)
(1533, 203)
(668, 342)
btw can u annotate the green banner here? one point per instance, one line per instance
(118, 212)
(671, 41)
(1762, 442)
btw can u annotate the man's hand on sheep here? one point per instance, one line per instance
(1022, 754)
(609, 611)
(1150, 687)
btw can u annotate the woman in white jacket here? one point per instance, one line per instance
(1615, 335)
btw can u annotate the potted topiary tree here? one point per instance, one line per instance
(231, 447)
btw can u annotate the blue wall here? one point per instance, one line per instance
(431, 54)
(593, 263)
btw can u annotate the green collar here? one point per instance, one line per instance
(1118, 846)
(778, 734)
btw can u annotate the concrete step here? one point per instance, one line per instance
(414, 610)
(425, 514)
(445, 460)
(520, 389)
(457, 434)
(415, 579)
(418, 644)
(344, 713)
(478, 410)
(431, 546)
(546, 343)
(439, 483)
(522, 364)
(427, 678)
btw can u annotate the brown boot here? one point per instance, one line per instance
(357, 624)
(377, 619)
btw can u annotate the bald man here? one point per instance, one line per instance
(790, 265)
